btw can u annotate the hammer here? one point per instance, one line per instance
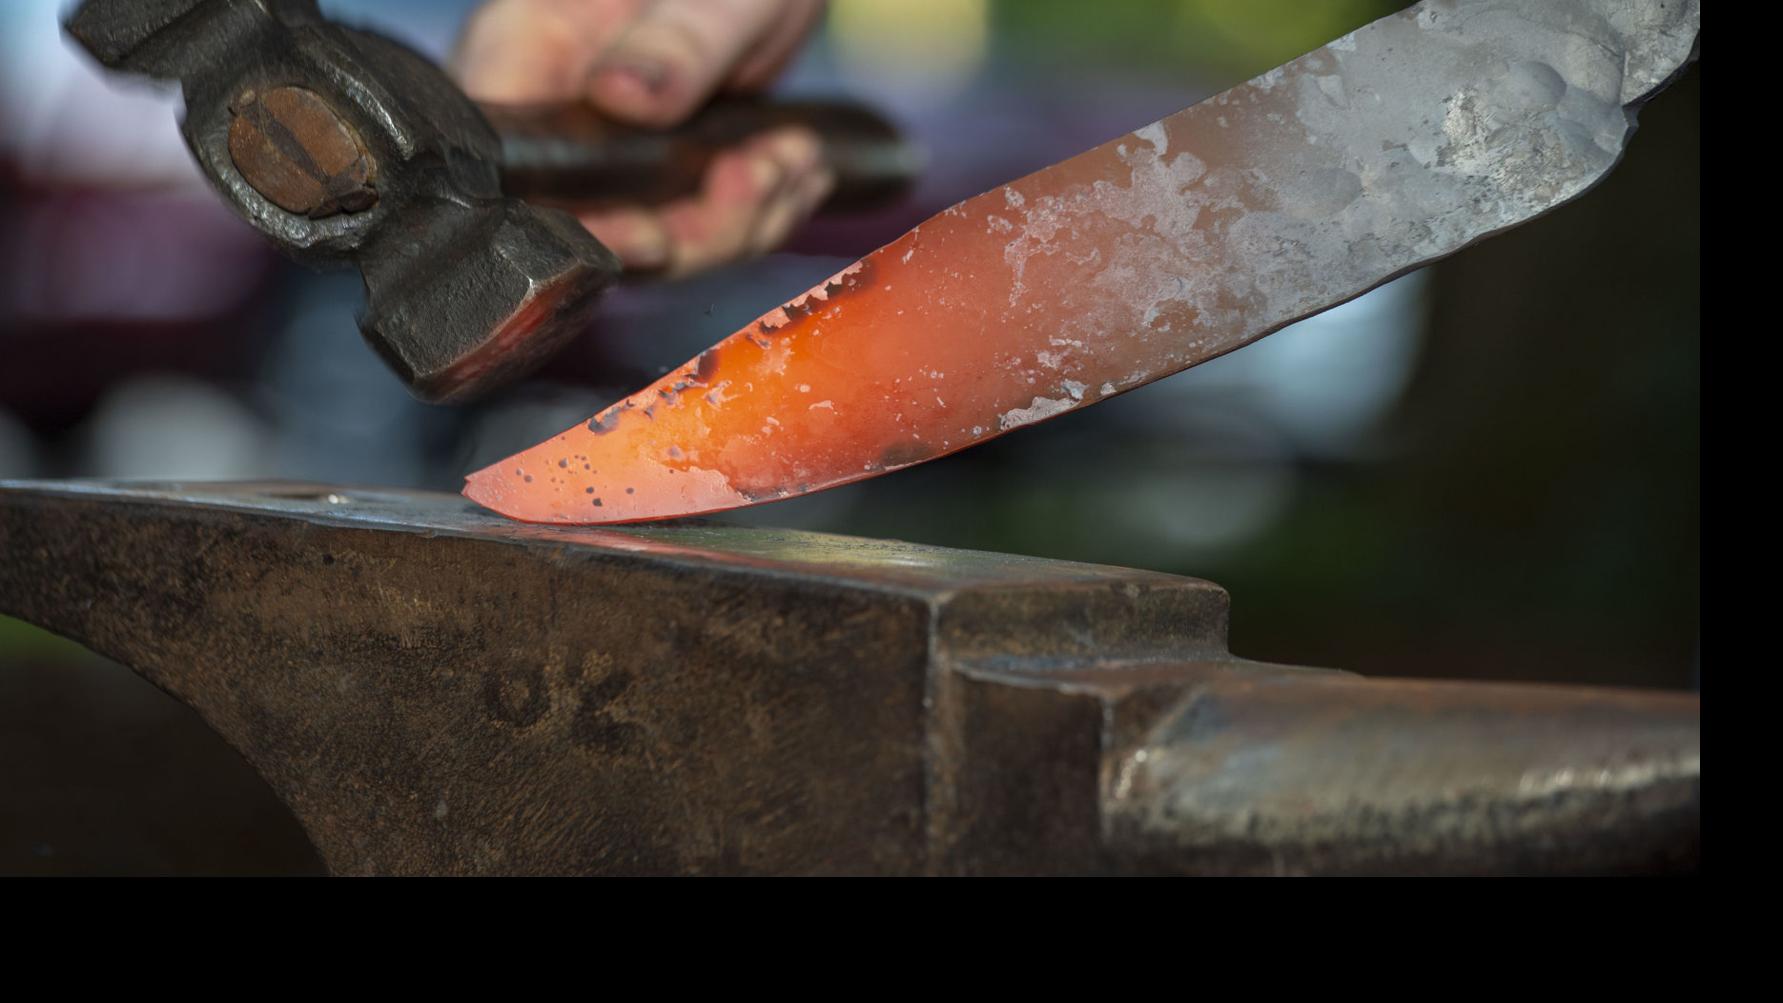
(347, 147)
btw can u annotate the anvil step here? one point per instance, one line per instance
(436, 690)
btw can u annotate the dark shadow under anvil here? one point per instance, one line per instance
(436, 690)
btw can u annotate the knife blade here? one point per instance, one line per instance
(1392, 147)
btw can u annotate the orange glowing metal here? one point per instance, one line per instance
(1002, 311)
(1393, 146)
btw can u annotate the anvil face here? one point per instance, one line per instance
(1392, 147)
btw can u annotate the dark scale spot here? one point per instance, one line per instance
(519, 698)
(596, 727)
(854, 280)
(604, 691)
(859, 277)
(529, 478)
(630, 490)
(588, 491)
(603, 423)
(597, 503)
(587, 468)
(565, 464)
(650, 412)
(603, 734)
(706, 365)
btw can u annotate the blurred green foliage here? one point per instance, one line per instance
(1222, 40)
(20, 640)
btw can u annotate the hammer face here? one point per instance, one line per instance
(481, 295)
(467, 289)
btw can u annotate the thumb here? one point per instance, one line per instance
(675, 55)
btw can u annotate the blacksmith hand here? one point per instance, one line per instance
(656, 63)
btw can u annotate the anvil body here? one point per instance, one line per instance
(435, 690)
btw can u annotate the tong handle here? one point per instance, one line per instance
(570, 155)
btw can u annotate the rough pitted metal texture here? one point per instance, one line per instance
(435, 690)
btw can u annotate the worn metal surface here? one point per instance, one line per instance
(292, 148)
(1394, 146)
(433, 689)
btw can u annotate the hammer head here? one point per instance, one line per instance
(346, 147)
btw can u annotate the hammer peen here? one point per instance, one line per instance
(344, 147)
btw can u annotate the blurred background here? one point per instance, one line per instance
(1488, 469)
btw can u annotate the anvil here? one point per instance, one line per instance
(435, 690)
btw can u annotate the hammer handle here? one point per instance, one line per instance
(570, 155)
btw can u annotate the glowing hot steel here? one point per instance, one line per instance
(1169, 246)
(847, 381)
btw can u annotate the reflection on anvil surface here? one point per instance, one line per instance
(710, 541)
